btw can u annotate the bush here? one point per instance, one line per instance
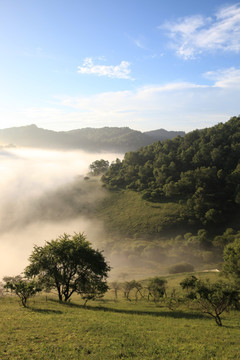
(22, 287)
(181, 268)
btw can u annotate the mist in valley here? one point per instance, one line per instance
(43, 195)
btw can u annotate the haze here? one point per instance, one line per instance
(42, 195)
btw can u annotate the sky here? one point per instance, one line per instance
(145, 64)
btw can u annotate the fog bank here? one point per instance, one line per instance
(43, 195)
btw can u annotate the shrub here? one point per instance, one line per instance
(181, 268)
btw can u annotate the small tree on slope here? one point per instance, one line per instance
(23, 288)
(212, 298)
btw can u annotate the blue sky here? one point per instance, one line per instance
(146, 64)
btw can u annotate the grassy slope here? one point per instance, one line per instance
(127, 213)
(113, 330)
(140, 236)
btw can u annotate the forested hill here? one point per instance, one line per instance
(200, 172)
(89, 139)
(162, 134)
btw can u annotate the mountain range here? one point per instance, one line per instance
(112, 139)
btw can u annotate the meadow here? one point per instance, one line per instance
(125, 212)
(109, 329)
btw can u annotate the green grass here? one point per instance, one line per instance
(127, 212)
(113, 330)
(147, 235)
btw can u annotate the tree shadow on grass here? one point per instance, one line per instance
(45, 311)
(231, 326)
(176, 314)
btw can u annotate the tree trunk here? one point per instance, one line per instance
(218, 320)
(60, 296)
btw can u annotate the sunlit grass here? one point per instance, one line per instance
(130, 214)
(109, 329)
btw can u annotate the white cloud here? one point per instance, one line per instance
(120, 71)
(225, 78)
(197, 34)
(179, 105)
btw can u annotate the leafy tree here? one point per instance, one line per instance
(70, 265)
(157, 288)
(92, 288)
(231, 256)
(220, 241)
(212, 298)
(99, 167)
(131, 285)
(189, 283)
(23, 288)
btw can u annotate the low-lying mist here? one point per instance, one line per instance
(43, 195)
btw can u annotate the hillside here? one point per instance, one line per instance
(103, 139)
(184, 191)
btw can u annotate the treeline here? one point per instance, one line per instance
(200, 171)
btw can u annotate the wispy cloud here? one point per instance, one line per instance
(173, 106)
(139, 44)
(225, 78)
(178, 105)
(121, 71)
(195, 35)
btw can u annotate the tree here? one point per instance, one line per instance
(212, 298)
(231, 256)
(1, 288)
(99, 167)
(23, 288)
(70, 265)
(115, 286)
(188, 283)
(157, 288)
(131, 285)
(92, 288)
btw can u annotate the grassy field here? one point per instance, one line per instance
(109, 329)
(127, 212)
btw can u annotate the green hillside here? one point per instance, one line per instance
(126, 213)
(200, 170)
(177, 199)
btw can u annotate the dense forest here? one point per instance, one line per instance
(199, 174)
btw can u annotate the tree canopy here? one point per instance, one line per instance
(157, 288)
(98, 167)
(70, 265)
